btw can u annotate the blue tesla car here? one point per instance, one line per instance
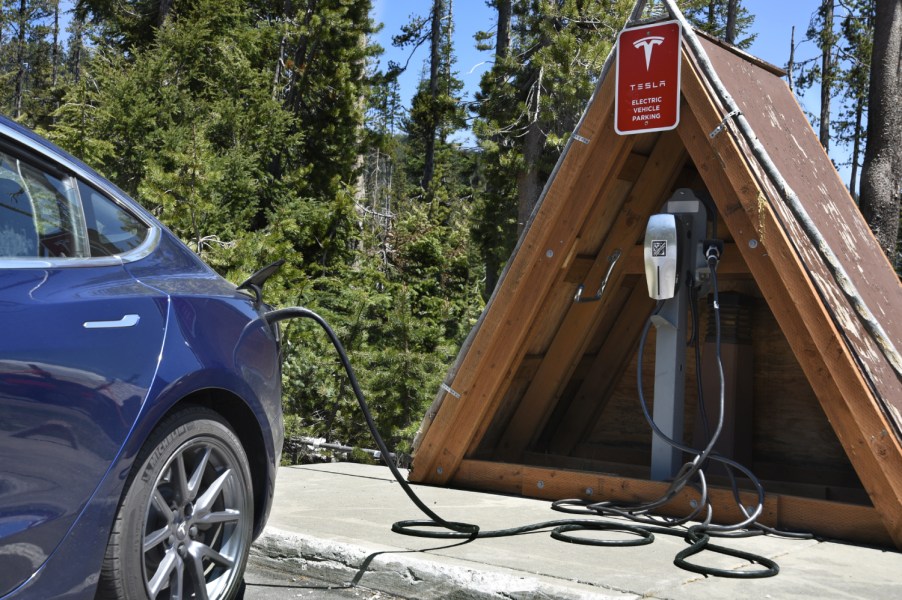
(140, 408)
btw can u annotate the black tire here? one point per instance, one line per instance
(183, 527)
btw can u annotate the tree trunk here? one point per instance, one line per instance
(881, 176)
(856, 147)
(791, 64)
(732, 7)
(20, 59)
(529, 185)
(164, 9)
(502, 49)
(360, 133)
(78, 46)
(435, 58)
(826, 46)
(55, 52)
(503, 36)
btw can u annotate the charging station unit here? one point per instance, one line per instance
(675, 267)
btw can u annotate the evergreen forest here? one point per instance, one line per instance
(262, 130)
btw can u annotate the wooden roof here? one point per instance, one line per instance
(537, 370)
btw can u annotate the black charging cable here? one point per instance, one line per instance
(273, 317)
(642, 526)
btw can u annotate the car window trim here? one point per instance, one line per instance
(26, 149)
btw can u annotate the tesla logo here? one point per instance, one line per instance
(648, 44)
(648, 99)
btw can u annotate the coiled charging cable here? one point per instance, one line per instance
(643, 526)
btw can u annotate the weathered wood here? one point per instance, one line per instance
(487, 361)
(831, 519)
(632, 170)
(488, 437)
(606, 371)
(620, 296)
(531, 343)
(844, 395)
(783, 129)
(792, 433)
(624, 225)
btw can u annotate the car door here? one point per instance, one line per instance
(79, 344)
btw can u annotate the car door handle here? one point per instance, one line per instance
(125, 321)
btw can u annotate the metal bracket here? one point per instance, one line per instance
(613, 258)
(580, 138)
(723, 123)
(447, 388)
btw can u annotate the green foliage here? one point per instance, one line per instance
(260, 131)
(848, 40)
(27, 56)
(711, 17)
(527, 106)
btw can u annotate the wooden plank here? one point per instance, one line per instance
(631, 171)
(598, 221)
(847, 400)
(605, 373)
(626, 224)
(488, 359)
(849, 522)
(782, 127)
(488, 437)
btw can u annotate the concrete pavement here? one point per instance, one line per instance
(333, 521)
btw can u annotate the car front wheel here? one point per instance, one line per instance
(183, 528)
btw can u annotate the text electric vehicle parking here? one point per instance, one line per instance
(140, 413)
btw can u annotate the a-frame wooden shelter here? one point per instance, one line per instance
(542, 399)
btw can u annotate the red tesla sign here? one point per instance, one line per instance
(648, 78)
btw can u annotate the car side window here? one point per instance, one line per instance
(111, 229)
(39, 213)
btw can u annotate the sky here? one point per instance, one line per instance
(774, 20)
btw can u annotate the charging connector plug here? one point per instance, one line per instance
(713, 250)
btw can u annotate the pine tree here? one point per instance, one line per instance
(725, 19)
(528, 104)
(854, 50)
(436, 110)
(27, 53)
(320, 76)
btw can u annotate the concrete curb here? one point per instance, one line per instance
(408, 573)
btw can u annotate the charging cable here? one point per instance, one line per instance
(642, 524)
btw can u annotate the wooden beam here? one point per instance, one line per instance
(606, 371)
(847, 400)
(489, 358)
(631, 171)
(825, 518)
(625, 225)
